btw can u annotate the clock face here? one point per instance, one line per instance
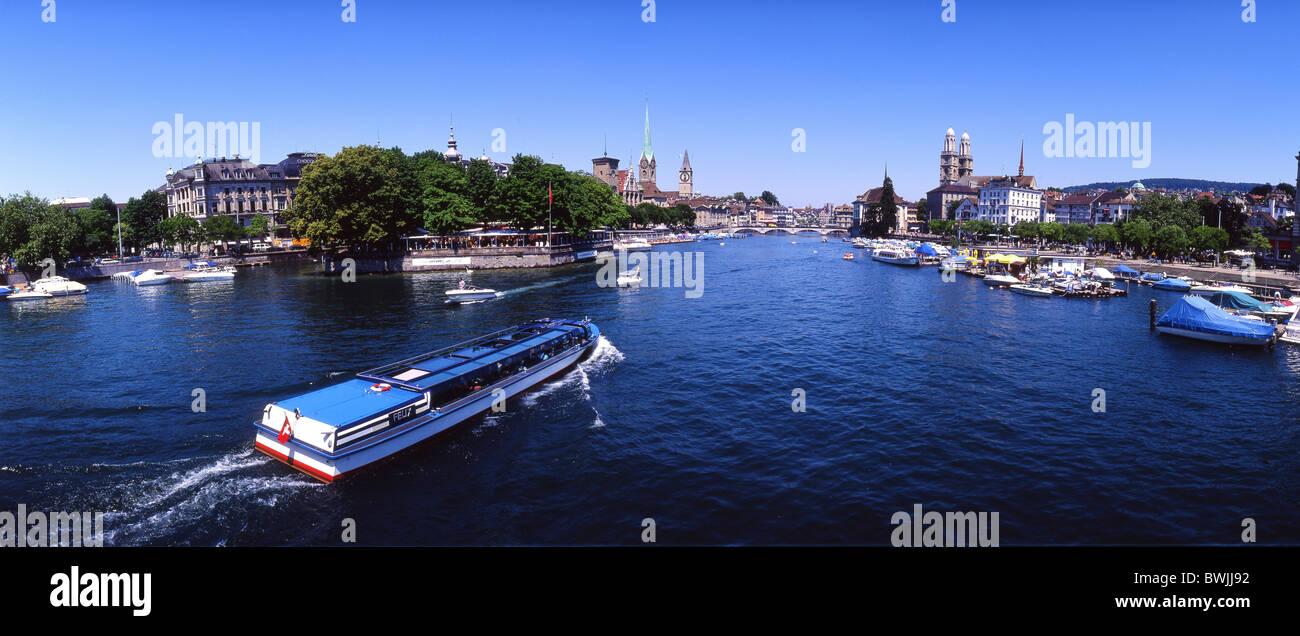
(686, 176)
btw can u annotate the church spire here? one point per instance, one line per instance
(686, 160)
(1022, 157)
(646, 151)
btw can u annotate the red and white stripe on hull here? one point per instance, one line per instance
(330, 469)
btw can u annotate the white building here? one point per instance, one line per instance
(1006, 201)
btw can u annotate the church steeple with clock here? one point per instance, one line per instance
(685, 177)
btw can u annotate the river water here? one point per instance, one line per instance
(915, 390)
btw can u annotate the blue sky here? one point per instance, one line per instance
(870, 82)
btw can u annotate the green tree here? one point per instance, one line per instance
(1255, 240)
(94, 231)
(1076, 233)
(362, 196)
(1105, 234)
(1206, 238)
(446, 207)
(1136, 233)
(222, 228)
(142, 216)
(258, 227)
(1171, 240)
(480, 184)
(769, 199)
(182, 230)
(740, 196)
(1052, 232)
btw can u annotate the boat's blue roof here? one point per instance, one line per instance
(1125, 269)
(354, 400)
(348, 402)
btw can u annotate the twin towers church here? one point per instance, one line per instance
(642, 186)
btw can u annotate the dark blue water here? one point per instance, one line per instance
(918, 391)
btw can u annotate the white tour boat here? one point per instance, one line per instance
(336, 430)
(633, 245)
(895, 256)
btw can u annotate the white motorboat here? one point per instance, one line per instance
(630, 279)
(151, 277)
(895, 257)
(470, 294)
(1001, 280)
(1211, 288)
(58, 286)
(632, 245)
(30, 294)
(205, 274)
(1035, 291)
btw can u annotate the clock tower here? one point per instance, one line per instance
(685, 177)
(647, 165)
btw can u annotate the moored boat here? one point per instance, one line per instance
(632, 245)
(1172, 284)
(1035, 291)
(29, 294)
(150, 277)
(1198, 318)
(895, 256)
(336, 430)
(58, 286)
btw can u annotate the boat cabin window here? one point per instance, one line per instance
(410, 374)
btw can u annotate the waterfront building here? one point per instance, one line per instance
(630, 186)
(967, 210)
(939, 199)
(235, 187)
(646, 188)
(605, 169)
(1009, 201)
(872, 196)
(1114, 207)
(1077, 208)
(842, 216)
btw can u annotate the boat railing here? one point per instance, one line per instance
(383, 373)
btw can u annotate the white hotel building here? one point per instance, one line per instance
(1007, 201)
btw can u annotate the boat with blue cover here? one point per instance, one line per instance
(336, 430)
(1172, 284)
(1196, 317)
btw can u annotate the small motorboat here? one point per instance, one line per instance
(1198, 318)
(630, 279)
(470, 294)
(1172, 284)
(848, 257)
(151, 277)
(203, 274)
(1001, 280)
(30, 294)
(5, 291)
(633, 245)
(58, 286)
(1035, 291)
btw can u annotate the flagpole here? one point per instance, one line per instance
(550, 197)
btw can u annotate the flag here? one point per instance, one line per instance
(550, 196)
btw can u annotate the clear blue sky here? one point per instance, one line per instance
(869, 81)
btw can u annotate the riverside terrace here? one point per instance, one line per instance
(482, 249)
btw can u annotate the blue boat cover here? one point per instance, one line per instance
(1153, 276)
(1198, 314)
(1172, 284)
(1237, 300)
(926, 248)
(1124, 269)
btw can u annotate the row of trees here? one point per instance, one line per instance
(649, 214)
(370, 196)
(32, 229)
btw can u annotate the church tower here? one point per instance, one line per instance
(631, 187)
(965, 162)
(948, 159)
(648, 155)
(685, 178)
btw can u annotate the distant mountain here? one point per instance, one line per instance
(1203, 185)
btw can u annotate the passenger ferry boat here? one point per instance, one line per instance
(336, 430)
(895, 257)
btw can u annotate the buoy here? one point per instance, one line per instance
(380, 388)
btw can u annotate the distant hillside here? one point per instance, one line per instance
(1203, 185)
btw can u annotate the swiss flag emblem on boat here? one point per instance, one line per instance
(286, 431)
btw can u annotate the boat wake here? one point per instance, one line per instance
(528, 288)
(603, 357)
(155, 508)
